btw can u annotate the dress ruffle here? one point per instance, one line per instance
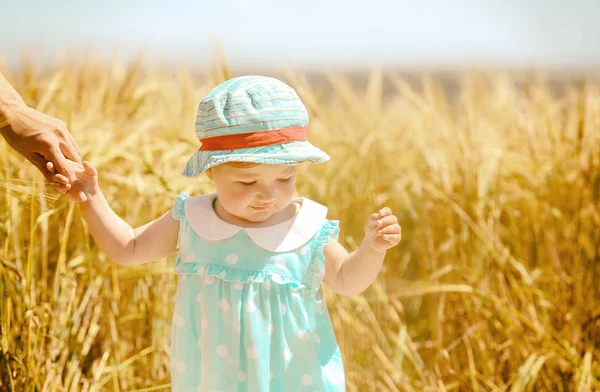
(330, 229)
(237, 275)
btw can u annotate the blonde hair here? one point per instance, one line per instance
(242, 165)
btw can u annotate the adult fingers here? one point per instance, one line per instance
(68, 144)
(69, 152)
(89, 169)
(75, 146)
(40, 162)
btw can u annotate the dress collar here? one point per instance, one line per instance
(281, 237)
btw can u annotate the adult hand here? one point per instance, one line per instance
(40, 139)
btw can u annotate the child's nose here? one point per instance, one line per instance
(266, 195)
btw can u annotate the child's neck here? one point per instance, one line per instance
(281, 216)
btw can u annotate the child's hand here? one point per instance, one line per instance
(383, 231)
(87, 175)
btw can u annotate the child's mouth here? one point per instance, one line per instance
(260, 208)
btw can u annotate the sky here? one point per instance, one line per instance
(312, 34)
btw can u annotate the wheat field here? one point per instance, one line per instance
(494, 287)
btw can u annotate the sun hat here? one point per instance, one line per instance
(252, 119)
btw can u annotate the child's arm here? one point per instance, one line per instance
(352, 273)
(115, 237)
(123, 244)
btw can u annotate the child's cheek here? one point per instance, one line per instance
(240, 197)
(289, 190)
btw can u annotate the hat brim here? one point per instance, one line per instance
(291, 153)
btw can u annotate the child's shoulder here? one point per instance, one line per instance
(187, 206)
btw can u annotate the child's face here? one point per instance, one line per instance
(254, 193)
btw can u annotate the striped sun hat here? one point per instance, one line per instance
(252, 119)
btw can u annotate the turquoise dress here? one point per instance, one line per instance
(249, 310)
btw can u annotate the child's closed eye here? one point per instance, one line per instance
(247, 183)
(285, 179)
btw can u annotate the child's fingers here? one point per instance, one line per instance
(373, 220)
(386, 221)
(391, 229)
(62, 189)
(50, 167)
(62, 186)
(59, 178)
(392, 238)
(385, 211)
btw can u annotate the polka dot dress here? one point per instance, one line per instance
(250, 319)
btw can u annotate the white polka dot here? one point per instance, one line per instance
(303, 334)
(232, 258)
(204, 324)
(199, 343)
(270, 329)
(200, 271)
(253, 353)
(287, 354)
(178, 320)
(270, 375)
(238, 285)
(222, 351)
(224, 304)
(209, 279)
(250, 306)
(306, 379)
(317, 338)
(183, 277)
(180, 367)
(283, 309)
(199, 297)
(280, 262)
(267, 284)
(241, 376)
(189, 258)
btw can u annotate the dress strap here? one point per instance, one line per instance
(178, 213)
(179, 207)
